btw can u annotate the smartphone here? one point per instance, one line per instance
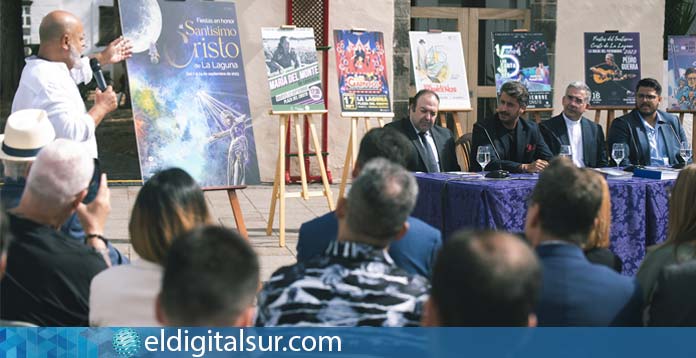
(94, 183)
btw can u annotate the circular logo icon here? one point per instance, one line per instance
(315, 93)
(126, 342)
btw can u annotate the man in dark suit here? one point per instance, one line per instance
(518, 146)
(653, 137)
(416, 250)
(434, 144)
(575, 292)
(585, 138)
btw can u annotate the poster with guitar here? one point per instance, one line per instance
(612, 67)
(681, 73)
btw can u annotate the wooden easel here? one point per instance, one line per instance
(681, 120)
(535, 113)
(458, 116)
(279, 192)
(611, 114)
(234, 204)
(353, 144)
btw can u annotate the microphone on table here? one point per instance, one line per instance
(98, 74)
(495, 174)
(546, 129)
(632, 139)
(679, 165)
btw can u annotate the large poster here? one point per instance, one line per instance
(292, 68)
(612, 67)
(681, 72)
(188, 91)
(362, 71)
(438, 65)
(522, 57)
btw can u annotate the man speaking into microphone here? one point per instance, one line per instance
(49, 79)
(517, 144)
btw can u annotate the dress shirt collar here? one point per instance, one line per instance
(357, 251)
(570, 122)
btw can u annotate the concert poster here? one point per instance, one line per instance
(292, 69)
(438, 65)
(362, 71)
(681, 73)
(188, 91)
(522, 57)
(612, 67)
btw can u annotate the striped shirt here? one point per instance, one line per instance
(353, 284)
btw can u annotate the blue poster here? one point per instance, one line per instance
(188, 91)
(681, 72)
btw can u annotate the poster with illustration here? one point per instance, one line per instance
(681, 73)
(522, 57)
(438, 65)
(292, 69)
(362, 71)
(612, 67)
(188, 91)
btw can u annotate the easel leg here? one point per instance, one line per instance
(346, 168)
(380, 121)
(367, 125)
(457, 125)
(443, 119)
(610, 117)
(300, 154)
(281, 188)
(274, 196)
(322, 168)
(237, 212)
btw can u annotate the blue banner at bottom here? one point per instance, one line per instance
(378, 342)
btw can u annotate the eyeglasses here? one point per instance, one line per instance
(576, 100)
(646, 97)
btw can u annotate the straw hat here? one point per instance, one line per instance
(26, 132)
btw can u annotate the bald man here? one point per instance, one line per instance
(49, 79)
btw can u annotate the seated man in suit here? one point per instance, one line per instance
(211, 275)
(416, 251)
(585, 138)
(356, 283)
(435, 150)
(575, 292)
(652, 137)
(484, 278)
(518, 146)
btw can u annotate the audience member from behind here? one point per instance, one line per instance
(26, 132)
(4, 244)
(562, 212)
(680, 245)
(356, 283)
(416, 251)
(211, 275)
(484, 279)
(169, 204)
(48, 273)
(597, 246)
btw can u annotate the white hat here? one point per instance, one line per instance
(26, 132)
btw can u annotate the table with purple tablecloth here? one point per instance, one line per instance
(639, 209)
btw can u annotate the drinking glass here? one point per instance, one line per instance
(565, 151)
(618, 152)
(685, 151)
(483, 156)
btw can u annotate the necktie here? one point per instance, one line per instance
(430, 161)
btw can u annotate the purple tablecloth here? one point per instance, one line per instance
(639, 209)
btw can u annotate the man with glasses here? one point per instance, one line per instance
(584, 137)
(653, 137)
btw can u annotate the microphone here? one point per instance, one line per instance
(632, 139)
(98, 74)
(546, 129)
(495, 174)
(679, 164)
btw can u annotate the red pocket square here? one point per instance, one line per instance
(531, 147)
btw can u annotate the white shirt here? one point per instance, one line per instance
(52, 87)
(125, 295)
(431, 142)
(575, 139)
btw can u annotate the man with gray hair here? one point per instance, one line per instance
(516, 143)
(584, 137)
(48, 273)
(355, 283)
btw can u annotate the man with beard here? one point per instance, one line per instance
(653, 137)
(48, 79)
(518, 146)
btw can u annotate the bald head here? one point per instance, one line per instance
(57, 24)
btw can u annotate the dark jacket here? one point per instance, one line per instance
(444, 141)
(594, 148)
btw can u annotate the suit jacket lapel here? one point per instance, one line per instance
(521, 141)
(589, 148)
(415, 139)
(641, 137)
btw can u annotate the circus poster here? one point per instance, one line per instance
(292, 69)
(188, 91)
(522, 57)
(362, 71)
(438, 65)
